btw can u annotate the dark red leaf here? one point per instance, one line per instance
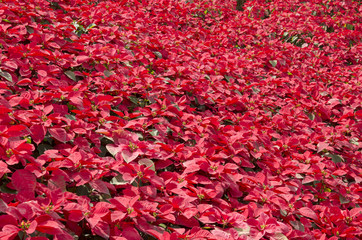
(60, 134)
(99, 185)
(7, 220)
(75, 215)
(102, 229)
(9, 232)
(131, 233)
(49, 227)
(307, 212)
(38, 133)
(3, 169)
(24, 182)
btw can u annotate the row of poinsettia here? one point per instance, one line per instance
(160, 119)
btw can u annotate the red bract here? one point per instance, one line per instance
(25, 183)
(180, 119)
(127, 147)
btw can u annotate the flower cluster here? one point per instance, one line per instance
(180, 119)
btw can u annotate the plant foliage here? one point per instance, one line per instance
(166, 119)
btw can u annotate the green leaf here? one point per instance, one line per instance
(273, 62)
(178, 108)
(75, 24)
(55, 6)
(28, 139)
(44, 22)
(136, 183)
(70, 107)
(71, 75)
(335, 158)
(147, 163)
(354, 141)
(108, 73)
(158, 54)
(29, 29)
(5, 189)
(103, 152)
(310, 116)
(349, 27)
(42, 147)
(82, 190)
(256, 90)
(118, 180)
(297, 225)
(169, 130)
(227, 122)
(280, 236)
(242, 231)
(294, 38)
(6, 75)
(162, 225)
(154, 132)
(140, 136)
(127, 63)
(283, 212)
(22, 235)
(68, 40)
(343, 200)
(133, 99)
(227, 78)
(238, 92)
(70, 117)
(90, 26)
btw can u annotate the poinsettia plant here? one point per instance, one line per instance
(183, 119)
